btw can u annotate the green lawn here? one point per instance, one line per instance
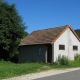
(8, 69)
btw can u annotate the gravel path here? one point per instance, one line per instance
(41, 74)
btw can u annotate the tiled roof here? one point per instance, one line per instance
(46, 36)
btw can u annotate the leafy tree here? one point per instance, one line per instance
(11, 30)
(78, 32)
(25, 34)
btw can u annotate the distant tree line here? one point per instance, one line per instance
(78, 32)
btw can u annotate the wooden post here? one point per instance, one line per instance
(46, 56)
(52, 53)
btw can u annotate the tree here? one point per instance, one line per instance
(78, 32)
(11, 29)
(25, 34)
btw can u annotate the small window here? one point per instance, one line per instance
(75, 47)
(61, 47)
(39, 53)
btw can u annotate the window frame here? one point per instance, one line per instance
(61, 47)
(75, 48)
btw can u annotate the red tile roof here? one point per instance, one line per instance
(46, 36)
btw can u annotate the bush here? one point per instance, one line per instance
(63, 60)
(77, 57)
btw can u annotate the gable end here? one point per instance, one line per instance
(64, 31)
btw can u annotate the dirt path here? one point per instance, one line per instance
(41, 74)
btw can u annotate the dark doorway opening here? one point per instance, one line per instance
(49, 53)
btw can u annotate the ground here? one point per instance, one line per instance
(42, 74)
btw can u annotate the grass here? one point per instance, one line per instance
(9, 69)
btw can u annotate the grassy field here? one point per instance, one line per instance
(8, 69)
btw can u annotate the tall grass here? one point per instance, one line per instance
(9, 69)
(77, 57)
(64, 62)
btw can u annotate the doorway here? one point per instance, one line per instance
(49, 53)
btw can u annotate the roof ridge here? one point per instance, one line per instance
(52, 28)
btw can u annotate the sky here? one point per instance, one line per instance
(43, 14)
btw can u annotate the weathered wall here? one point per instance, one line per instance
(34, 53)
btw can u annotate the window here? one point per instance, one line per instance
(61, 47)
(75, 47)
(39, 53)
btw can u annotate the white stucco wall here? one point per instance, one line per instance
(68, 39)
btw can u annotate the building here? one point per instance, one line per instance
(45, 45)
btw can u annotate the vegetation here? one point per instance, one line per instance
(78, 32)
(77, 57)
(63, 60)
(12, 29)
(9, 69)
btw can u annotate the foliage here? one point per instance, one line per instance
(25, 34)
(63, 60)
(78, 32)
(77, 56)
(11, 30)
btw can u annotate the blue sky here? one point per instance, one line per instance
(42, 14)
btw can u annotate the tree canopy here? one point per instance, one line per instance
(12, 29)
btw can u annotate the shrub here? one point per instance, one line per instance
(63, 60)
(77, 57)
